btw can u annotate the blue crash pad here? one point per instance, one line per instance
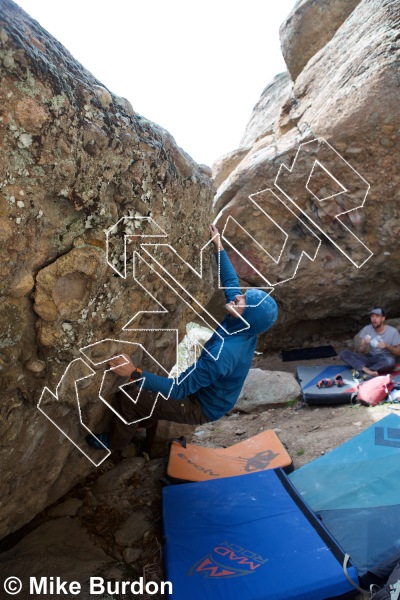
(249, 538)
(309, 376)
(354, 489)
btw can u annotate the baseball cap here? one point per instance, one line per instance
(377, 311)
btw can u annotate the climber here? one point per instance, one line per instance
(208, 391)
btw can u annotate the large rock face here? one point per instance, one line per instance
(78, 162)
(303, 232)
(310, 25)
(266, 112)
(260, 129)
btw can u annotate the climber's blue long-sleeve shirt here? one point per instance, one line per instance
(218, 375)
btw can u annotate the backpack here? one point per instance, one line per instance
(390, 591)
(374, 390)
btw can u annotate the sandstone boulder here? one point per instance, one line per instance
(310, 25)
(313, 213)
(84, 180)
(266, 112)
(259, 130)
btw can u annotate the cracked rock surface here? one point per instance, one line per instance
(84, 181)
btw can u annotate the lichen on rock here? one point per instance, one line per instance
(76, 160)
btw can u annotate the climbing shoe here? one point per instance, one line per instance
(338, 380)
(325, 383)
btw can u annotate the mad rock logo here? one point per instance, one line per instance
(228, 560)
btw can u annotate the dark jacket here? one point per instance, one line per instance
(217, 377)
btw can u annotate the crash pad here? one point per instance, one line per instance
(249, 538)
(188, 462)
(309, 376)
(354, 489)
(308, 353)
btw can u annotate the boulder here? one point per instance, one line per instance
(266, 389)
(259, 130)
(59, 548)
(85, 180)
(114, 480)
(133, 529)
(223, 166)
(312, 213)
(309, 26)
(267, 110)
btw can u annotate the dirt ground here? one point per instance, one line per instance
(307, 431)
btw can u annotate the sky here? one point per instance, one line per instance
(195, 68)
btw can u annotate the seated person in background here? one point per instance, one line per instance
(378, 344)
